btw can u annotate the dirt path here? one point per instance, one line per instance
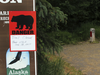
(85, 57)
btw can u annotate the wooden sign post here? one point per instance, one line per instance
(5, 7)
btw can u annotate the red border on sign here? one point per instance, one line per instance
(12, 26)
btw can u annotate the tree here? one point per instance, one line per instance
(79, 11)
(48, 18)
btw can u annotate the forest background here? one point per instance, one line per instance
(62, 22)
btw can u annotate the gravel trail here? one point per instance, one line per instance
(85, 57)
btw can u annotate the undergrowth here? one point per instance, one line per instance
(61, 67)
(50, 67)
(80, 34)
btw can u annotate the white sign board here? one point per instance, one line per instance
(22, 42)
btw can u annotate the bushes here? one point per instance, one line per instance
(64, 37)
(83, 32)
(80, 34)
(97, 32)
(47, 67)
(54, 65)
(85, 29)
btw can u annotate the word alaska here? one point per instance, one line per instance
(11, 1)
(22, 72)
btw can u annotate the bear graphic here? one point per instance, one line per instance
(23, 20)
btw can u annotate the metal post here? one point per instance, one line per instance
(35, 51)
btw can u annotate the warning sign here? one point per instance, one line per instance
(22, 30)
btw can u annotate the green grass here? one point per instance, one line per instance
(50, 67)
(66, 67)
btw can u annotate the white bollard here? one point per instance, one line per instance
(92, 34)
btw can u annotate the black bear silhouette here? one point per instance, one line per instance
(18, 56)
(23, 20)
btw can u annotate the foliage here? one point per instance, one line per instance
(52, 28)
(47, 67)
(48, 18)
(83, 33)
(80, 34)
(79, 11)
(65, 37)
(56, 66)
(82, 15)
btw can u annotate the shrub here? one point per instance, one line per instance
(47, 67)
(64, 36)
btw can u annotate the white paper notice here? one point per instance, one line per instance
(22, 42)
